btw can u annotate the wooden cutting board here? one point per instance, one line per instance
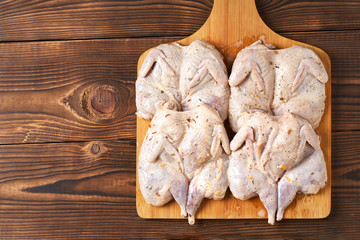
(231, 26)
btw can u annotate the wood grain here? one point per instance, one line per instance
(70, 192)
(78, 171)
(346, 106)
(48, 90)
(68, 19)
(36, 78)
(233, 25)
(77, 19)
(341, 47)
(284, 15)
(77, 184)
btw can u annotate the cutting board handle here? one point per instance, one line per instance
(231, 21)
(235, 24)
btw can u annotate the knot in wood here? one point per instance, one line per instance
(103, 100)
(100, 102)
(95, 148)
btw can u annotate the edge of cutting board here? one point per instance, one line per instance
(231, 26)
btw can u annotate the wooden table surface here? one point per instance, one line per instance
(68, 125)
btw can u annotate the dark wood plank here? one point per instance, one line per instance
(291, 15)
(49, 90)
(345, 162)
(70, 171)
(69, 185)
(68, 19)
(343, 48)
(86, 190)
(346, 107)
(43, 85)
(118, 220)
(77, 19)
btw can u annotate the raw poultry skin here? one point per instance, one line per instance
(158, 81)
(204, 78)
(300, 84)
(293, 81)
(275, 143)
(182, 77)
(308, 178)
(203, 138)
(210, 181)
(185, 90)
(252, 83)
(183, 148)
(251, 182)
(160, 166)
(277, 100)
